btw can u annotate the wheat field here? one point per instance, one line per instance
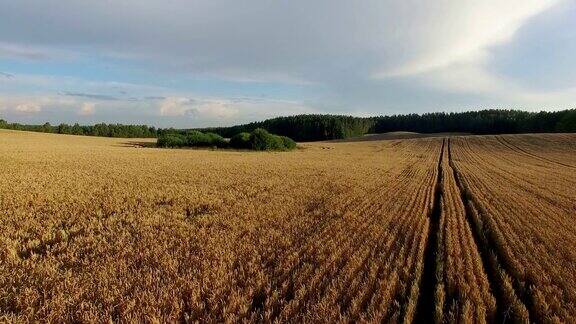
(444, 229)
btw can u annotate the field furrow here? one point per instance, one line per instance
(524, 228)
(463, 291)
(447, 230)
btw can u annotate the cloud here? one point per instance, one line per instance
(39, 106)
(91, 96)
(105, 97)
(465, 32)
(28, 108)
(228, 111)
(475, 78)
(294, 40)
(87, 109)
(6, 75)
(163, 108)
(373, 56)
(213, 109)
(21, 51)
(194, 108)
(173, 106)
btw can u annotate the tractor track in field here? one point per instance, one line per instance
(425, 305)
(489, 253)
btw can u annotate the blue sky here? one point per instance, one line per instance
(211, 63)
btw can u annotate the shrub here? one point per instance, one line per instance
(171, 140)
(261, 140)
(196, 138)
(241, 141)
(278, 143)
(199, 139)
(216, 140)
(289, 143)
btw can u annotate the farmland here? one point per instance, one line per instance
(455, 229)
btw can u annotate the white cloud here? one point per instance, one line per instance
(226, 109)
(287, 41)
(465, 31)
(335, 45)
(174, 106)
(465, 76)
(474, 78)
(87, 109)
(28, 108)
(458, 60)
(36, 105)
(214, 109)
(133, 103)
(21, 51)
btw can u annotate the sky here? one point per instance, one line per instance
(197, 63)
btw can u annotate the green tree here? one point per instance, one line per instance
(46, 128)
(568, 122)
(64, 129)
(77, 130)
(241, 141)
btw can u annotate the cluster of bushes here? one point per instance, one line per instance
(259, 140)
(191, 139)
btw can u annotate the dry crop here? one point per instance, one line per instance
(461, 229)
(93, 229)
(522, 192)
(463, 292)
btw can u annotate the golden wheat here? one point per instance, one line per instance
(463, 293)
(524, 188)
(95, 229)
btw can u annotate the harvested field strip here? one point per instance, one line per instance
(524, 184)
(466, 229)
(506, 164)
(462, 291)
(555, 147)
(505, 304)
(426, 301)
(455, 286)
(523, 225)
(356, 256)
(505, 140)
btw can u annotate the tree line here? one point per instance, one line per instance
(327, 127)
(305, 127)
(102, 129)
(480, 122)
